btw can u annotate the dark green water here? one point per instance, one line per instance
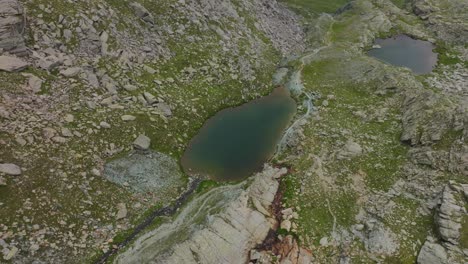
(237, 141)
(404, 51)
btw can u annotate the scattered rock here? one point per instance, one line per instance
(128, 118)
(11, 254)
(71, 72)
(12, 64)
(69, 118)
(142, 142)
(381, 240)
(432, 253)
(35, 83)
(350, 150)
(105, 125)
(165, 109)
(142, 12)
(59, 139)
(286, 225)
(122, 211)
(10, 169)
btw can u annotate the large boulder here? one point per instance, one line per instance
(12, 23)
(10, 169)
(12, 64)
(146, 172)
(142, 12)
(432, 253)
(450, 213)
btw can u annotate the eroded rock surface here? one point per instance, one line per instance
(449, 219)
(12, 26)
(220, 226)
(144, 172)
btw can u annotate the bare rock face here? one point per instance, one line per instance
(12, 23)
(142, 12)
(449, 218)
(220, 226)
(426, 118)
(432, 253)
(12, 64)
(450, 213)
(143, 172)
(10, 169)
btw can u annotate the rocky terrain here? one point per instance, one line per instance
(88, 81)
(98, 100)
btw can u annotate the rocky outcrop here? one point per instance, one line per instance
(143, 172)
(142, 13)
(450, 212)
(432, 253)
(12, 23)
(12, 64)
(426, 117)
(10, 169)
(446, 18)
(221, 226)
(449, 217)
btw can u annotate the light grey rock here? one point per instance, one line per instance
(142, 12)
(432, 253)
(34, 82)
(67, 34)
(130, 88)
(66, 132)
(142, 142)
(12, 64)
(149, 69)
(49, 63)
(71, 72)
(48, 132)
(69, 118)
(421, 124)
(121, 211)
(12, 26)
(350, 150)
(164, 108)
(92, 79)
(286, 225)
(10, 169)
(105, 125)
(150, 99)
(59, 139)
(11, 253)
(450, 213)
(381, 240)
(128, 118)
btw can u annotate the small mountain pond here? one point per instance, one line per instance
(402, 50)
(237, 141)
